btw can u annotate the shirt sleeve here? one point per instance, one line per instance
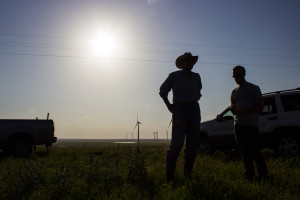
(166, 87)
(257, 93)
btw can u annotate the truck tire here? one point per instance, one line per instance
(287, 146)
(21, 146)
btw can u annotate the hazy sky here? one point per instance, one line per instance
(94, 64)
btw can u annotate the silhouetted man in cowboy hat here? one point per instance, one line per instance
(186, 86)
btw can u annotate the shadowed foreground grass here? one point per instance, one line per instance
(128, 172)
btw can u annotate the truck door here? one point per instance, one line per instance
(222, 130)
(268, 119)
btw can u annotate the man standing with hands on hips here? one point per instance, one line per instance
(186, 86)
(246, 104)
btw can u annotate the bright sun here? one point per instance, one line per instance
(104, 45)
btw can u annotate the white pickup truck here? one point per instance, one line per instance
(20, 136)
(279, 125)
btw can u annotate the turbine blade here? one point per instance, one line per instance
(135, 125)
(170, 123)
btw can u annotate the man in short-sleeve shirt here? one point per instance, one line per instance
(246, 104)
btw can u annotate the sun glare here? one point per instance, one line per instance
(104, 45)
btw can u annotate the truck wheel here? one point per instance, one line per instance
(205, 146)
(21, 146)
(288, 146)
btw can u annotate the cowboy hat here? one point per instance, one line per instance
(186, 57)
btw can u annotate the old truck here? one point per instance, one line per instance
(20, 136)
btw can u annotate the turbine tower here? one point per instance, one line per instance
(138, 125)
(167, 135)
(154, 134)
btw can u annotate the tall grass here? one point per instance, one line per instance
(129, 172)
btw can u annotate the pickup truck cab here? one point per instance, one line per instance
(279, 125)
(19, 136)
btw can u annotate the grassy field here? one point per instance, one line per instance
(123, 171)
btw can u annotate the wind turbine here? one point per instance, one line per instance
(170, 123)
(138, 125)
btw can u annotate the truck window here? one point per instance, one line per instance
(290, 102)
(225, 115)
(228, 114)
(269, 106)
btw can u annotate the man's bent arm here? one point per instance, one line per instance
(168, 104)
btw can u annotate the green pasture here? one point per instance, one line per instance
(85, 170)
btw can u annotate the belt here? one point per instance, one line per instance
(186, 103)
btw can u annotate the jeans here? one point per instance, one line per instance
(185, 127)
(247, 137)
